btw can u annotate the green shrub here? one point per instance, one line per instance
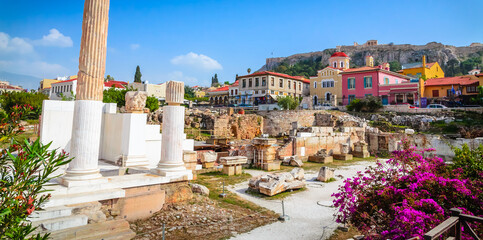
(287, 102)
(368, 104)
(11, 99)
(471, 161)
(152, 104)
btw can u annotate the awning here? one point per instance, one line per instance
(274, 96)
(403, 91)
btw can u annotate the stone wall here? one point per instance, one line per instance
(278, 123)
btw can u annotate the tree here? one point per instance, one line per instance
(188, 92)
(287, 102)
(137, 75)
(214, 80)
(152, 103)
(108, 78)
(227, 83)
(395, 66)
(249, 70)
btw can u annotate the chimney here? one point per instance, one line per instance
(424, 61)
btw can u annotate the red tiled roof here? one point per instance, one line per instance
(339, 54)
(70, 80)
(460, 80)
(236, 83)
(116, 84)
(479, 75)
(225, 88)
(303, 79)
(360, 69)
(429, 65)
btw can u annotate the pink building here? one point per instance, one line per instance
(391, 87)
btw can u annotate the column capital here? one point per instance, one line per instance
(174, 93)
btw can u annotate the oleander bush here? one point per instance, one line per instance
(24, 169)
(408, 195)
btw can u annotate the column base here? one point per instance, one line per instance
(135, 161)
(172, 170)
(74, 179)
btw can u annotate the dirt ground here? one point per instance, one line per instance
(201, 218)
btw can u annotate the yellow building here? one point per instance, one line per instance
(416, 70)
(328, 82)
(440, 88)
(200, 94)
(47, 83)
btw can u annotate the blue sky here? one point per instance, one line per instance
(192, 40)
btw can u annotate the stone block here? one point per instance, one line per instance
(321, 159)
(271, 166)
(325, 174)
(343, 157)
(229, 170)
(364, 154)
(238, 169)
(208, 164)
(235, 160)
(141, 202)
(409, 131)
(208, 157)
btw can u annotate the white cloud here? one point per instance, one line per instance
(134, 46)
(35, 68)
(179, 76)
(14, 45)
(54, 39)
(199, 61)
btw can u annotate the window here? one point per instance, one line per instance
(332, 84)
(351, 83)
(256, 92)
(244, 83)
(386, 80)
(435, 93)
(324, 84)
(351, 98)
(280, 83)
(272, 92)
(249, 82)
(272, 82)
(232, 92)
(471, 89)
(257, 82)
(300, 86)
(335, 64)
(236, 91)
(264, 81)
(341, 64)
(315, 84)
(367, 82)
(289, 84)
(368, 95)
(294, 85)
(397, 81)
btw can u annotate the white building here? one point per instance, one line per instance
(67, 88)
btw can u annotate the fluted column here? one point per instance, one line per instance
(171, 162)
(86, 129)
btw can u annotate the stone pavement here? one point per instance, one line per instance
(308, 220)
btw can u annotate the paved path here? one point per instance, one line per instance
(308, 220)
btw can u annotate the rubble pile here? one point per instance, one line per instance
(418, 122)
(201, 218)
(274, 183)
(292, 161)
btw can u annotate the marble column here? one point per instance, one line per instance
(171, 163)
(86, 129)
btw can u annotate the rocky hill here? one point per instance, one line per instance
(404, 53)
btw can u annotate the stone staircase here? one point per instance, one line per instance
(56, 218)
(62, 224)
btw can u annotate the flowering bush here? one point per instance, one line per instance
(406, 196)
(24, 169)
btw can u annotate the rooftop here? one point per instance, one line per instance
(339, 54)
(459, 80)
(301, 78)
